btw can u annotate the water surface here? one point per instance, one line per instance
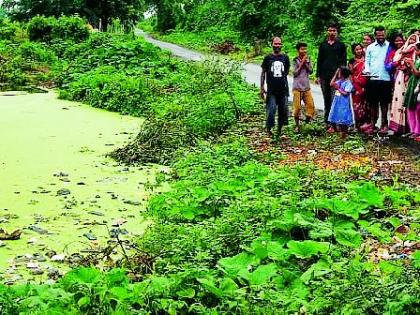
(54, 175)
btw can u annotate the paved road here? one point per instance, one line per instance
(251, 71)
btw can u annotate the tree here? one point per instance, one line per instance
(167, 12)
(128, 11)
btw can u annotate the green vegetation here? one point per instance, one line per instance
(247, 237)
(127, 75)
(249, 24)
(98, 13)
(239, 230)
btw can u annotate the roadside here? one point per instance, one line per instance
(251, 71)
(377, 158)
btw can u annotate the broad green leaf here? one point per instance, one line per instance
(390, 268)
(117, 276)
(159, 285)
(394, 221)
(286, 222)
(368, 194)
(120, 293)
(83, 301)
(259, 248)
(210, 285)
(346, 208)
(228, 286)
(276, 251)
(338, 206)
(321, 230)
(346, 234)
(303, 220)
(242, 261)
(376, 230)
(318, 269)
(397, 197)
(187, 293)
(306, 249)
(261, 275)
(83, 275)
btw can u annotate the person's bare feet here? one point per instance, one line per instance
(331, 130)
(383, 131)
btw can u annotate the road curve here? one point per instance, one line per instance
(251, 72)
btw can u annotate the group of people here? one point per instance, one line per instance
(382, 77)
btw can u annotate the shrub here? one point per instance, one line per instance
(46, 29)
(71, 28)
(40, 28)
(8, 30)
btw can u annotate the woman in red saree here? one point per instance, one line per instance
(356, 66)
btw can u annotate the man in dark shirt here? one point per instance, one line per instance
(275, 69)
(331, 55)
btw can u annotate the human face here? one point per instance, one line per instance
(332, 33)
(412, 39)
(276, 45)
(358, 51)
(380, 36)
(398, 42)
(366, 41)
(303, 51)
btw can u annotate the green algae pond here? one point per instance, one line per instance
(58, 187)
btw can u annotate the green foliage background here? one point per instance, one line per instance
(252, 23)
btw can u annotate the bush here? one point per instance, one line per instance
(45, 29)
(108, 89)
(71, 28)
(41, 28)
(8, 30)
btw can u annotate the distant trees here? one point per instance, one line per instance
(263, 18)
(128, 11)
(253, 18)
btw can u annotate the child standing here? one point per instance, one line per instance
(341, 114)
(302, 68)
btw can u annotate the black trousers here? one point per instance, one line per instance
(328, 94)
(378, 96)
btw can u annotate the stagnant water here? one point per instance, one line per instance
(56, 184)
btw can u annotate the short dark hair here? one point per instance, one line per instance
(301, 44)
(379, 28)
(418, 45)
(332, 25)
(345, 72)
(412, 31)
(275, 37)
(354, 45)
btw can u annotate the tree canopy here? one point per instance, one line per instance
(128, 11)
(264, 18)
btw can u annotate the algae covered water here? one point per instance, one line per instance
(56, 184)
